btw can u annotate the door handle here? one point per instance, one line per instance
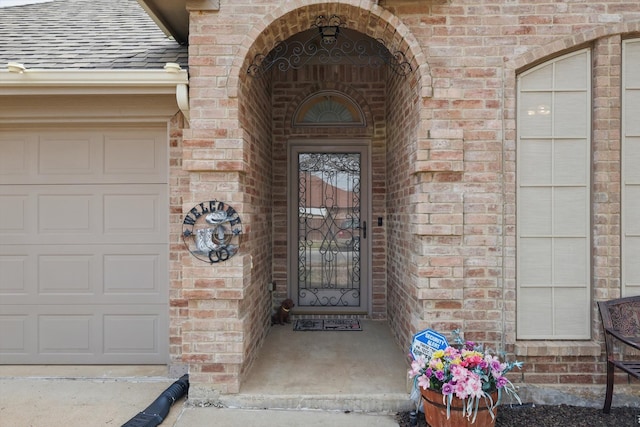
(364, 229)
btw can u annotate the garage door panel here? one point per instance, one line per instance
(90, 334)
(131, 274)
(65, 274)
(80, 274)
(64, 156)
(84, 250)
(61, 212)
(67, 155)
(16, 158)
(136, 155)
(65, 333)
(14, 274)
(135, 212)
(14, 335)
(14, 212)
(126, 333)
(67, 214)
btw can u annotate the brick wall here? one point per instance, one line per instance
(227, 154)
(474, 52)
(443, 147)
(403, 268)
(178, 186)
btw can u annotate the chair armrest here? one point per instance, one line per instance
(625, 339)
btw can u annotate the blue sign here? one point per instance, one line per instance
(426, 343)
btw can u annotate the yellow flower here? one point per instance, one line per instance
(438, 354)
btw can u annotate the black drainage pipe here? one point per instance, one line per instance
(159, 409)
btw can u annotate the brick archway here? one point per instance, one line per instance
(401, 144)
(368, 18)
(398, 134)
(234, 150)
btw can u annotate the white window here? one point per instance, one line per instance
(630, 169)
(553, 199)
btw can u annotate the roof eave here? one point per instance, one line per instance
(172, 17)
(172, 80)
(43, 81)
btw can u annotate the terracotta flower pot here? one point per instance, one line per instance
(435, 412)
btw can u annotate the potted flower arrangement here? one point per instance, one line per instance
(463, 377)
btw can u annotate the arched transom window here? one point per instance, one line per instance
(328, 108)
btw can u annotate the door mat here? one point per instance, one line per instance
(327, 325)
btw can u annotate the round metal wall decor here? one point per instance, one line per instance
(211, 230)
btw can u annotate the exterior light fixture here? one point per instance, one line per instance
(329, 34)
(16, 67)
(328, 28)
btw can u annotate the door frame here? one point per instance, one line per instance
(332, 145)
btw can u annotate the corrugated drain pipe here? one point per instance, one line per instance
(159, 409)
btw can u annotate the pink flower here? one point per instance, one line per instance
(461, 390)
(459, 374)
(416, 367)
(474, 386)
(423, 381)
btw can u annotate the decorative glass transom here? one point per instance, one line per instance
(328, 108)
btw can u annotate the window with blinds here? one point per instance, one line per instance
(553, 199)
(630, 170)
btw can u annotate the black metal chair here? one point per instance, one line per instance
(621, 322)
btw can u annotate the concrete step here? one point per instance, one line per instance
(368, 402)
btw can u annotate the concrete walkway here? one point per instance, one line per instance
(353, 379)
(48, 402)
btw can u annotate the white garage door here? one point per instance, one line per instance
(83, 246)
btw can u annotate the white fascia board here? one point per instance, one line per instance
(48, 82)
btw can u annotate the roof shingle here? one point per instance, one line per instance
(85, 34)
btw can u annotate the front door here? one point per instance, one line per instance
(329, 249)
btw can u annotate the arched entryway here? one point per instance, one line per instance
(251, 120)
(314, 102)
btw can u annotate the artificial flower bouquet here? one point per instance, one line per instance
(466, 371)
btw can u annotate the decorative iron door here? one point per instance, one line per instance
(329, 251)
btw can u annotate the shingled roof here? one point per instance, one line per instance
(85, 34)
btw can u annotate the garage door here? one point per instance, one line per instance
(83, 246)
